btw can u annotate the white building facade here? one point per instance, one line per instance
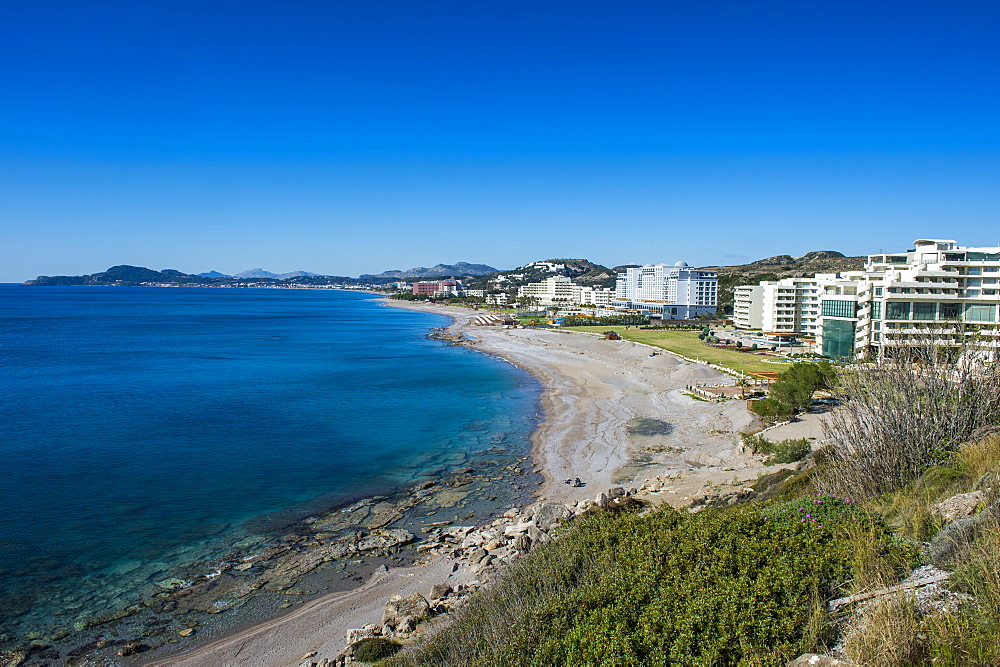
(560, 291)
(937, 289)
(673, 292)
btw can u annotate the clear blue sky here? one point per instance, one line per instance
(349, 137)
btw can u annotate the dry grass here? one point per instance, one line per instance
(906, 415)
(887, 634)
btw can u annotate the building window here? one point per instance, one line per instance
(924, 311)
(833, 308)
(897, 310)
(950, 311)
(878, 291)
(838, 339)
(980, 312)
(877, 310)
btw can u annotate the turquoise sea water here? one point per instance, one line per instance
(144, 428)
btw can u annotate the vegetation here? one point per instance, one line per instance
(898, 630)
(786, 451)
(795, 387)
(621, 320)
(903, 416)
(756, 596)
(771, 410)
(685, 342)
(373, 649)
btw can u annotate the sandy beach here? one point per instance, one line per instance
(615, 415)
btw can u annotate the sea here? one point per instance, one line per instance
(148, 430)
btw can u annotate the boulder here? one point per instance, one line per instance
(958, 507)
(616, 492)
(517, 529)
(602, 500)
(522, 544)
(440, 591)
(385, 539)
(355, 635)
(548, 515)
(538, 536)
(477, 555)
(398, 608)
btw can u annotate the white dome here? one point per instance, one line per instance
(681, 264)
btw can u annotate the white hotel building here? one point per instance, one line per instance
(935, 287)
(562, 291)
(675, 292)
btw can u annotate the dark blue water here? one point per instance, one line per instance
(140, 427)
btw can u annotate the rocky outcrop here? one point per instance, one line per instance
(958, 507)
(401, 614)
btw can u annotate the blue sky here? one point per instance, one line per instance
(356, 137)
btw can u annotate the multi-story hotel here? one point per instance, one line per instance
(438, 288)
(779, 307)
(936, 289)
(560, 290)
(675, 292)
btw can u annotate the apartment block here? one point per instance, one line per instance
(560, 290)
(936, 290)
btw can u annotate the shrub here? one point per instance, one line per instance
(906, 415)
(373, 649)
(786, 451)
(771, 409)
(723, 586)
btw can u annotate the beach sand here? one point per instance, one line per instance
(595, 394)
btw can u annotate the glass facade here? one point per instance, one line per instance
(876, 310)
(897, 310)
(981, 312)
(924, 311)
(950, 311)
(838, 339)
(833, 308)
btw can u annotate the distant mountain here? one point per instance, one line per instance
(214, 274)
(255, 273)
(298, 274)
(459, 269)
(261, 273)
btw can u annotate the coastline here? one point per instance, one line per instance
(598, 398)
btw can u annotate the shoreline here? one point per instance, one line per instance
(596, 397)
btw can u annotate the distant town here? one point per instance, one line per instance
(868, 307)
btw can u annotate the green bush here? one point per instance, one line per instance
(373, 649)
(724, 586)
(770, 408)
(786, 451)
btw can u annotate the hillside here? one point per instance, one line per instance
(581, 271)
(781, 266)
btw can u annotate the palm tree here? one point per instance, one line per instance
(743, 383)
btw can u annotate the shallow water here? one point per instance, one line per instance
(146, 429)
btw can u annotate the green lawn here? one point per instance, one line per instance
(687, 343)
